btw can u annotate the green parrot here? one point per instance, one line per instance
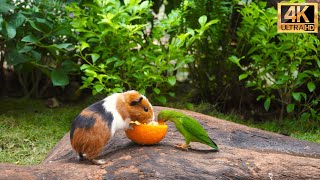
(190, 128)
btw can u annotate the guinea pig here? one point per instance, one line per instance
(92, 129)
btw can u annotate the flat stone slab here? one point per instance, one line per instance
(244, 153)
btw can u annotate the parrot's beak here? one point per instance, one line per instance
(162, 121)
(161, 118)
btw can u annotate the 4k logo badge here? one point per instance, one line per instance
(298, 17)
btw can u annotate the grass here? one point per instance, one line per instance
(29, 130)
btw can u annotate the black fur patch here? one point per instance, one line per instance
(135, 102)
(87, 122)
(104, 113)
(81, 122)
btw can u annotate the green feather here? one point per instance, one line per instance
(197, 132)
(190, 128)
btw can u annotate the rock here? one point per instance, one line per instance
(245, 153)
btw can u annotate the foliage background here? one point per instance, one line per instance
(208, 56)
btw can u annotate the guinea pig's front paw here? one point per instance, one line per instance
(130, 126)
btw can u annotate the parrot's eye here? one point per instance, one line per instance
(145, 109)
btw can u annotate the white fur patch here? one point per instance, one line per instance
(118, 123)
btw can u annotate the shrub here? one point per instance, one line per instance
(35, 38)
(124, 47)
(284, 68)
(212, 77)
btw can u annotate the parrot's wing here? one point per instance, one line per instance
(195, 129)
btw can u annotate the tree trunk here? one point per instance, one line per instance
(245, 153)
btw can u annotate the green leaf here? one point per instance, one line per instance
(202, 20)
(33, 24)
(94, 57)
(311, 86)
(126, 2)
(296, 96)
(260, 97)
(1, 21)
(235, 60)
(267, 103)
(318, 63)
(117, 90)
(11, 31)
(290, 107)
(45, 22)
(30, 38)
(14, 22)
(25, 49)
(142, 91)
(144, 4)
(62, 46)
(17, 20)
(190, 31)
(162, 100)
(36, 55)
(304, 95)
(69, 66)
(98, 87)
(110, 60)
(63, 31)
(15, 58)
(86, 82)
(118, 63)
(41, 25)
(90, 72)
(313, 112)
(84, 45)
(211, 22)
(305, 116)
(156, 90)
(262, 28)
(243, 76)
(84, 66)
(5, 7)
(59, 77)
(172, 80)
(262, 4)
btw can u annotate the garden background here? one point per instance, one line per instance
(221, 58)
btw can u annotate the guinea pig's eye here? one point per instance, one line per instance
(145, 109)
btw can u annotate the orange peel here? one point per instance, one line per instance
(147, 134)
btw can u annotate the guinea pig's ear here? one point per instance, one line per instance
(135, 102)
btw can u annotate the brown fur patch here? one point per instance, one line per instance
(122, 107)
(136, 112)
(91, 141)
(87, 113)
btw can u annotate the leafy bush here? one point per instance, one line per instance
(284, 68)
(35, 38)
(211, 73)
(124, 47)
(212, 77)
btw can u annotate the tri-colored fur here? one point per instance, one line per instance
(92, 129)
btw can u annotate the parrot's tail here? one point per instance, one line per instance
(213, 145)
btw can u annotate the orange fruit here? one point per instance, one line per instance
(147, 134)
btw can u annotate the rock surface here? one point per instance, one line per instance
(245, 153)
